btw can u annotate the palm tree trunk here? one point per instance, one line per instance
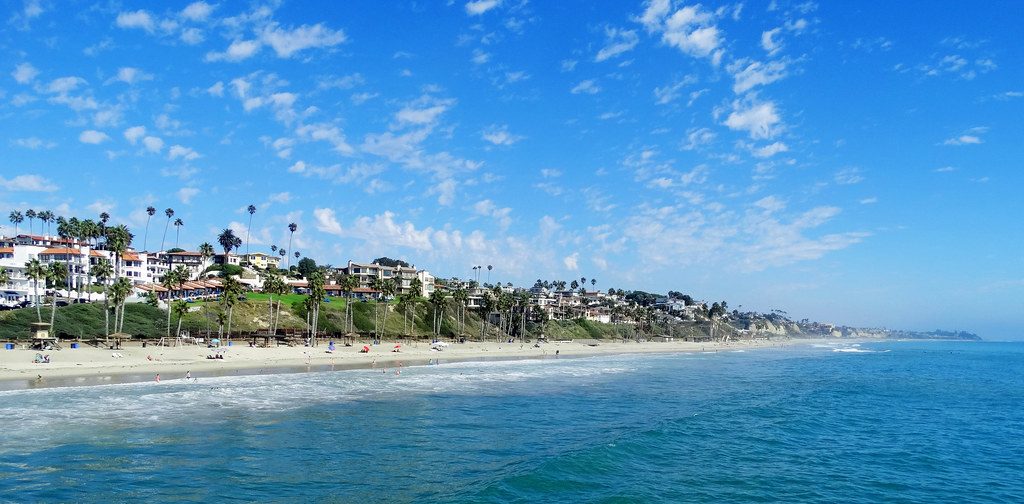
(39, 312)
(168, 314)
(230, 313)
(106, 316)
(179, 327)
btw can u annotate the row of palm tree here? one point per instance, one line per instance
(45, 218)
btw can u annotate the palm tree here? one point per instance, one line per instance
(150, 212)
(206, 251)
(169, 213)
(228, 241)
(348, 284)
(252, 210)
(169, 281)
(436, 300)
(104, 217)
(30, 214)
(316, 296)
(388, 289)
(118, 240)
(232, 290)
(461, 297)
(489, 268)
(56, 275)
(282, 253)
(16, 218)
(273, 248)
(36, 271)
(120, 291)
(103, 271)
(291, 231)
(177, 230)
(180, 308)
(270, 287)
(46, 217)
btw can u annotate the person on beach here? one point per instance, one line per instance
(158, 377)
(188, 375)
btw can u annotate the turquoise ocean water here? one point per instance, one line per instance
(880, 422)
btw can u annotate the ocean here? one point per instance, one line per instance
(877, 422)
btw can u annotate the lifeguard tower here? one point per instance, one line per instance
(41, 338)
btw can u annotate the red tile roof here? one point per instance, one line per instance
(61, 250)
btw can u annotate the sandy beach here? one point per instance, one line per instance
(133, 363)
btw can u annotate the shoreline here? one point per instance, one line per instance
(97, 367)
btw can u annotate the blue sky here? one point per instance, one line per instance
(850, 162)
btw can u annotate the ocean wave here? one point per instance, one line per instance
(857, 350)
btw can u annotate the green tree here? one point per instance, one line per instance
(228, 241)
(30, 214)
(150, 212)
(306, 267)
(103, 271)
(36, 272)
(252, 210)
(56, 275)
(177, 230)
(16, 219)
(291, 231)
(232, 291)
(313, 301)
(169, 213)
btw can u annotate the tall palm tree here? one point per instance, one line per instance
(206, 252)
(489, 268)
(36, 272)
(232, 290)
(150, 212)
(177, 230)
(252, 210)
(118, 240)
(169, 281)
(273, 248)
(180, 308)
(120, 290)
(169, 213)
(16, 218)
(30, 214)
(291, 231)
(46, 217)
(349, 283)
(104, 217)
(56, 275)
(103, 271)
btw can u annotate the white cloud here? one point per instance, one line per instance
(945, 169)
(326, 221)
(138, 19)
(185, 194)
(697, 137)
(550, 173)
(499, 135)
(588, 87)
(134, 133)
(153, 144)
(487, 208)
(849, 176)
(758, 119)
(571, 262)
(179, 151)
(768, 42)
(480, 57)
(770, 150)
(618, 42)
(288, 42)
(382, 230)
(192, 36)
(970, 137)
(197, 11)
(690, 29)
(24, 73)
(281, 197)
(238, 50)
(30, 183)
(130, 75)
(423, 111)
(93, 137)
(749, 74)
(325, 132)
(477, 7)
(869, 201)
(670, 93)
(34, 143)
(64, 85)
(445, 191)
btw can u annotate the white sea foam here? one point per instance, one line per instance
(857, 350)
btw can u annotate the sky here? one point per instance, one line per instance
(848, 162)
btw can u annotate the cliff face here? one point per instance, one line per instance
(761, 327)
